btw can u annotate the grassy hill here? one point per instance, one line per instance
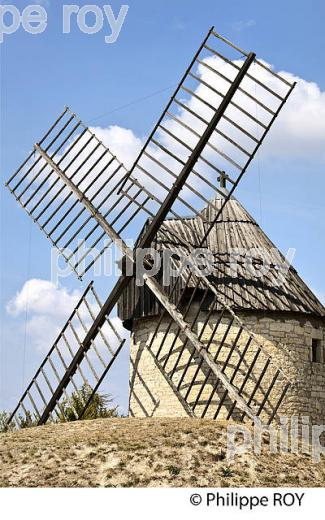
(141, 453)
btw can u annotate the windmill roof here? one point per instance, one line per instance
(235, 231)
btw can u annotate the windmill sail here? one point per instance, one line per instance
(236, 373)
(174, 173)
(91, 169)
(65, 371)
(213, 125)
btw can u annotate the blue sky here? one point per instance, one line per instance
(42, 73)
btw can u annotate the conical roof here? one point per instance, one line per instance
(238, 245)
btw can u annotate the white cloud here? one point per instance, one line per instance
(298, 132)
(43, 297)
(122, 142)
(42, 330)
(33, 334)
(47, 308)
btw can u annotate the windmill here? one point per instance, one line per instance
(82, 197)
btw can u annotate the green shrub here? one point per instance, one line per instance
(98, 408)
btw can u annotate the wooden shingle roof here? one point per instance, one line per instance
(237, 243)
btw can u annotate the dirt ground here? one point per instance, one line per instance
(144, 453)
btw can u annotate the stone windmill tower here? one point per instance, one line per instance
(216, 344)
(265, 293)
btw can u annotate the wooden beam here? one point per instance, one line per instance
(200, 347)
(86, 202)
(188, 167)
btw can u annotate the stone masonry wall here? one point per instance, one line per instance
(288, 338)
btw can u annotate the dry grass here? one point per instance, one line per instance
(143, 453)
